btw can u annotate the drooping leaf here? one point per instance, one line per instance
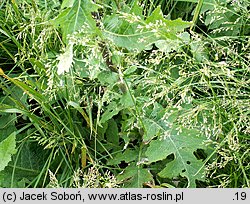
(27, 89)
(208, 5)
(7, 149)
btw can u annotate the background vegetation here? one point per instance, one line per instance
(124, 93)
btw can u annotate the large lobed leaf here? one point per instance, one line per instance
(134, 175)
(171, 138)
(182, 145)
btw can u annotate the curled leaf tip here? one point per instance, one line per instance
(1, 72)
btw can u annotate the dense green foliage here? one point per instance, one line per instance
(118, 93)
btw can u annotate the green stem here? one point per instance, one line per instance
(243, 170)
(196, 13)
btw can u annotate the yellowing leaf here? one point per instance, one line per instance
(1, 72)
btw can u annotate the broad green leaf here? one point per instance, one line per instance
(7, 182)
(112, 132)
(198, 50)
(29, 158)
(140, 34)
(111, 111)
(169, 27)
(135, 176)
(134, 42)
(78, 68)
(152, 122)
(171, 45)
(101, 130)
(130, 70)
(152, 129)
(27, 164)
(73, 18)
(188, 166)
(7, 149)
(107, 77)
(67, 3)
(182, 143)
(127, 100)
(127, 156)
(222, 17)
(117, 23)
